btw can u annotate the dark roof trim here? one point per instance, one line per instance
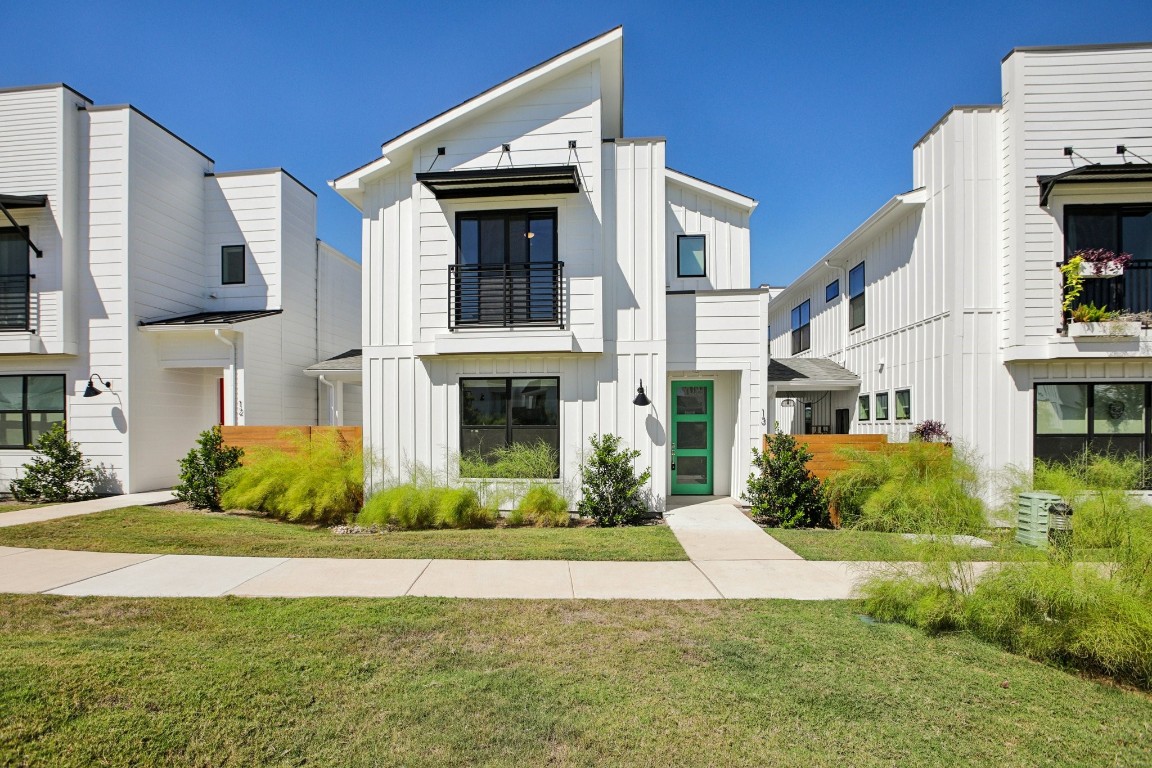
(257, 171)
(1074, 48)
(500, 84)
(710, 183)
(352, 360)
(44, 87)
(1095, 174)
(502, 182)
(948, 113)
(114, 107)
(23, 201)
(215, 318)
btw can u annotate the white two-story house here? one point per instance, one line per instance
(145, 297)
(528, 267)
(946, 303)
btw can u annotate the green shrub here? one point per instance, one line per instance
(781, 490)
(613, 494)
(58, 473)
(318, 481)
(203, 468)
(532, 461)
(915, 487)
(543, 506)
(461, 508)
(417, 506)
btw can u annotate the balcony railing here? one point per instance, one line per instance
(15, 302)
(1130, 292)
(506, 295)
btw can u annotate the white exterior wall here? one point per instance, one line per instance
(725, 227)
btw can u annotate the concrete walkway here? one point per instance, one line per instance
(71, 509)
(731, 557)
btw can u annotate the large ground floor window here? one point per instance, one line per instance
(1111, 418)
(29, 406)
(499, 412)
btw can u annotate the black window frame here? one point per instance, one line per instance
(832, 291)
(1067, 446)
(230, 250)
(887, 409)
(1130, 291)
(508, 418)
(801, 321)
(507, 214)
(704, 243)
(27, 413)
(23, 281)
(896, 404)
(857, 298)
(866, 401)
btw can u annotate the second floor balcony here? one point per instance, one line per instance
(15, 302)
(526, 294)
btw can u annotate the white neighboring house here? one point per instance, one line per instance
(946, 303)
(199, 297)
(527, 266)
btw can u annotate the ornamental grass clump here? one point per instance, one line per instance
(915, 487)
(543, 506)
(316, 481)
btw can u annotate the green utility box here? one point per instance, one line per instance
(1032, 518)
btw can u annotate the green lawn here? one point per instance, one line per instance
(13, 506)
(822, 544)
(167, 531)
(422, 682)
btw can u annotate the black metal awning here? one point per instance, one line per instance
(502, 182)
(1095, 174)
(214, 318)
(10, 202)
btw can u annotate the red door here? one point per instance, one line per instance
(220, 402)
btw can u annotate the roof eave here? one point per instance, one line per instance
(714, 190)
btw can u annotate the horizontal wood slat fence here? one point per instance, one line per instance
(285, 438)
(826, 460)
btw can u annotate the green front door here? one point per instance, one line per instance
(692, 438)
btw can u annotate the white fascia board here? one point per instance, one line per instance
(896, 206)
(727, 195)
(607, 47)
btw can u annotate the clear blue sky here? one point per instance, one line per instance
(811, 108)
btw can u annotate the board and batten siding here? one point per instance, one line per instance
(726, 236)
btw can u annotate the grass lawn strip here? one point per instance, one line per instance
(823, 544)
(153, 530)
(16, 506)
(424, 682)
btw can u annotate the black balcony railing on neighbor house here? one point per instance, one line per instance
(1130, 292)
(15, 302)
(505, 295)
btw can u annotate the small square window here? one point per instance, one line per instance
(832, 291)
(881, 406)
(903, 404)
(232, 265)
(690, 260)
(864, 408)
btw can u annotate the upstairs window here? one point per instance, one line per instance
(14, 280)
(232, 265)
(690, 256)
(801, 327)
(29, 407)
(1120, 229)
(856, 306)
(498, 238)
(832, 291)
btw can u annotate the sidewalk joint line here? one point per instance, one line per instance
(427, 565)
(283, 560)
(94, 576)
(709, 580)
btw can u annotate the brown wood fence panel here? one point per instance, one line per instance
(826, 459)
(284, 437)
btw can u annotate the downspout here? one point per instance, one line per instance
(235, 378)
(331, 400)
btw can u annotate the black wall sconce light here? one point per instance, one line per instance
(641, 399)
(91, 390)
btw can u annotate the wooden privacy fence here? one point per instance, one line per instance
(826, 460)
(286, 438)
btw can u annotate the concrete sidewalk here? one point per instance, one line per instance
(731, 557)
(71, 509)
(132, 575)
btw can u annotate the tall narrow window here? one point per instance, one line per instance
(690, 256)
(14, 284)
(881, 406)
(801, 327)
(29, 407)
(856, 305)
(903, 404)
(232, 265)
(864, 408)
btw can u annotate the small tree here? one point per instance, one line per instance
(202, 469)
(612, 492)
(781, 490)
(59, 473)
